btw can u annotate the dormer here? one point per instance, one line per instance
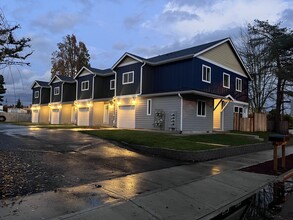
(41, 92)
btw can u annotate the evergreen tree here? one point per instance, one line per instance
(70, 57)
(19, 104)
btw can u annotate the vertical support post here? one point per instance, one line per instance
(275, 158)
(283, 156)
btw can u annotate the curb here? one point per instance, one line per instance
(199, 156)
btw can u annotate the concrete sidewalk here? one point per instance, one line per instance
(199, 191)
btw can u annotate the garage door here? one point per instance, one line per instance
(126, 117)
(35, 116)
(83, 117)
(55, 116)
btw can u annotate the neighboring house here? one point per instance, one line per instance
(62, 97)
(94, 94)
(191, 90)
(40, 100)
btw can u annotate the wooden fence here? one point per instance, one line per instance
(258, 122)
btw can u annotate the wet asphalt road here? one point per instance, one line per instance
(35, 160)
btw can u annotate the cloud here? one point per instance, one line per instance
(134, 21)
(58, 21)
(120, 46)
(18, 83)
(184, 19)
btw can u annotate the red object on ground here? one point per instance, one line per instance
(268, 167)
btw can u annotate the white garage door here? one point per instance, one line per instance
(35, 116)
(55, 116)
(126, 117)
(83, 117)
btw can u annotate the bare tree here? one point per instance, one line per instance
(70, 57)
(12, 50)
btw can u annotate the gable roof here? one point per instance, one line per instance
(41, 84)
(95, 71)
(185, 54)
(133, 56)
(62, 79)
(182, 54)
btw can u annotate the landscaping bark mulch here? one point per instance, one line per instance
(268, 166)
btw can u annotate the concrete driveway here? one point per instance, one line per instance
(35, 160)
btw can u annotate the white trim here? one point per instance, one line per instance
(128, 82)
(93, 87)
(123, 56)
(208, 76)
(222, 66)
(35, 94)
(141, 70)
(231, 43)
(205, 109)
(226, 74)
(55, 90)
(129, 63)
(84, 82)
(62, 92)
(181, 112)
(112, 80)
(240, 80)
(149, 106)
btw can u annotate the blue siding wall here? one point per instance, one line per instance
(45, 96)
(102, 87)
(56, 98)
(69, 92)
(36, 100)
(128, 89)
(88, 93)
(187, 75)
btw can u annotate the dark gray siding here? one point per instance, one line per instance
(102, 87)
(45, 96)
(128, 89)
(69, 92)
(228, 116)
(36, 100)
(88, 93)
(56, 98)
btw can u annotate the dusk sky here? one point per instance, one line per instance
(109, 28)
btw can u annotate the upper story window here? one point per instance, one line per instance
(57, 90)
(149, 107)
(206, 73)
(201, 108)
(37, 94)
(238, 85)
(128, 77)
(85, 85)
(112, 84)
(226, 80)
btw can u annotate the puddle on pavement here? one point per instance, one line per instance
(54, 203)
(265, 204)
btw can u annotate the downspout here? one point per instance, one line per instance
(141, 70)
(115, 103)
(181, 113)
(62, 92)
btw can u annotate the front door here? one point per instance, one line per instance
(217, 114)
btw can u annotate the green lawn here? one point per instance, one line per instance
(179, 142)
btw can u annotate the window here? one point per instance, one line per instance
(149, 107)
(206, 74)
(238, 109)
(201, 109)
(112, 84)
(85, 85)
(226, 80)
(128, 78)
(37, 93)
(238, 85)
(57, 90)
